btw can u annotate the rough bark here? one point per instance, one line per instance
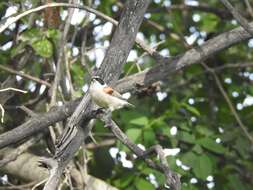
(28, 164)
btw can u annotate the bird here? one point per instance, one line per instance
(105, 96)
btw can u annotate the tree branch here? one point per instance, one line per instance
(26, 166)
(242, 21)
(229, 103)
(172, 179)
(12, 71)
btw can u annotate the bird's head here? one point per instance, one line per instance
(97, 80)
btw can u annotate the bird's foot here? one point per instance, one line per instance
(98, 112)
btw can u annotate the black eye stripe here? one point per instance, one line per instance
(101, 81)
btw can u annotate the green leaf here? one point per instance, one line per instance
(235, 183)
(189, 159)
(142, 184)
(31, 35)
(203, 167)
(43, 48)
(186, 186)
(197, 149)
(191, 109)
(52, 33)
(210, 144)
(209, 22)
(186, 137)
(203, 130)
(141, 121)
(133, 134)
(149, 137)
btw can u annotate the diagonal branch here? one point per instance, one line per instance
(172, 179)
(240, 19)
(230, 104)
(12, 71)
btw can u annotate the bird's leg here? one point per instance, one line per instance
(105, 115)
(98, 111)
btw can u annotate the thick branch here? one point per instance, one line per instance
(38, 123)
(195, 55)
(26, 167)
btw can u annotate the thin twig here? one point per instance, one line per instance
(240, 19)
(4, 90)
(2, 113)
(83, 50)
(230, 104)
(13, 89)
(4, 25)
(249, 7)
(38, 184)
(17, 187)
(12, 71)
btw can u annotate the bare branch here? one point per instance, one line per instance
(4, 90)
(172, 179)
(2, 113)
(12, 71)
(27, 164)
(13, 89)
(242, 21)
(6, 23)
(230, 104)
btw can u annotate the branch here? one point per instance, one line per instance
(4, 90)
(230, 104)
(13, 89)
(12, 71)
(26, 167)
(169, 66)
(172, 179)
(6, 23)
(249, 7)
(38, 123)
(61, 59)
(17, 152)
(242, 21)
(224, 14)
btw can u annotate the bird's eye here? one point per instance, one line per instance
(101, 81)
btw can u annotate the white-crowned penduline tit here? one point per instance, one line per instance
(105, 96)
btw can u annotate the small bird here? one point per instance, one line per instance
(105, 96)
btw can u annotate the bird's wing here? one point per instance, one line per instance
(109, 90)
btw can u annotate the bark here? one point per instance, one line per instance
(27, 164)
